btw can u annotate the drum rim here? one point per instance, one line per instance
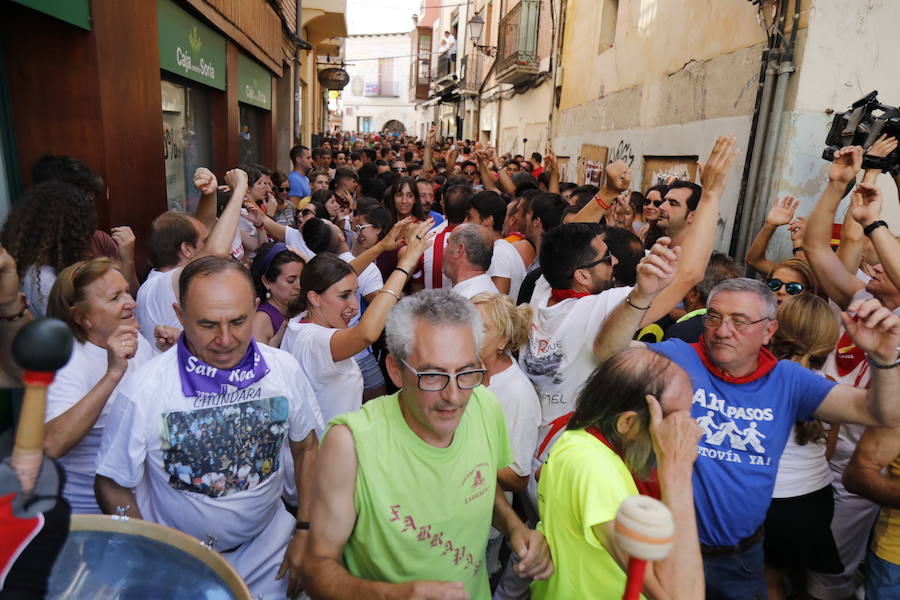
(168, 535)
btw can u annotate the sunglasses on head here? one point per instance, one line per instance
(656, 203)
(793, 288)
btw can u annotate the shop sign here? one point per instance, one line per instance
(189, 48)
(254, 83)
(76, 12)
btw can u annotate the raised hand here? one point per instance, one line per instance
(714, 174)
(549, 160)
(205, 181)
(419, 238)
(865, 204)
(846, 164)
(797, 228)
(236, 178)
(883, 146)
(618, 175)
(121, 346)
(782, 211)
(657, 269)
(674, 437)
(874, 329)
(166, 336)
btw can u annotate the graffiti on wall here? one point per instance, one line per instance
(622, 151)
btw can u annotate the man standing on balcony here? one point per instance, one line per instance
(448, 45)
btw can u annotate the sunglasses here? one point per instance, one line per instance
(793, 288)
(284, 190)
(655, 203)
(606, 258)
(468, 172)
(401, 170)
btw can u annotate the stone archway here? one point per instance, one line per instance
(394, 126)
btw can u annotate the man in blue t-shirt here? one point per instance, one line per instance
(746, 403)
(301, 158)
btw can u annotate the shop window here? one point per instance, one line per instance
(249, 142)
(187, 138)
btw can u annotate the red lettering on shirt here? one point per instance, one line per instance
(408, 524)
(395, 513)
(437, 539)
(424, 533)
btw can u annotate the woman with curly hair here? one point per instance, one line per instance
(49, 229)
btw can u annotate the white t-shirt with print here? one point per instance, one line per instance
(154, 303)
(338, 385)
(508, 263)
(208, 465)
(559, 356)
(87, 365)
(522, 410)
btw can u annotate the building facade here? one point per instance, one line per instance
(145, 92)
(377, 98)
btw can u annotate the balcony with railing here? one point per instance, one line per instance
(444, 65)
(517, 56)
(420, 66)
(470, 76)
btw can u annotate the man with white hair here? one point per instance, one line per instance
(406, 487)
(467, 259)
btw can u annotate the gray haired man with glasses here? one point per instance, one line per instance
(747, 402)
(406, 488)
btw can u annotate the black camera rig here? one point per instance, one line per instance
(862, 125)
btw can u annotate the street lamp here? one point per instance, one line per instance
(476, 27)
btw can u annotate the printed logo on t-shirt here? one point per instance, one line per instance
(543, 359)
(731, 432)
(475, 483)
(221, 451)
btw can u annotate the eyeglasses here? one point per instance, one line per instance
(714, 321)
(606, 258)
(468, 172)
(284, 190)
(435, 381)
(360, 227)
(792, 288)
(656, 203)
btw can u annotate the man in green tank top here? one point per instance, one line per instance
(406, 487)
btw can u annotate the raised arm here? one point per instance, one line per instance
(487, 177)
(346, 343)
(698, 246)
(781, 213)
(551, 166)
(333, 516)
(205, 182)
(878, 447)
(654, 273)
(866, 210)
(222, 233)
(837, 283)
(875, 331)
(427, 159)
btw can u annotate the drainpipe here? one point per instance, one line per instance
(768, 86)
(297, 46)
(766, 176)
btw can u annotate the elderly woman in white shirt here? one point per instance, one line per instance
(92, 298)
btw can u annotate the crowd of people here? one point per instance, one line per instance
(421, 369)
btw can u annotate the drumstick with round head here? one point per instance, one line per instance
(645, 531)
(41, 348)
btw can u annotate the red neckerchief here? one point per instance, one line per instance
(847, 355)
(514, 236)
(557, 425)
(437, 275)
(560, 295)
(765, 362)
(648, 487)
